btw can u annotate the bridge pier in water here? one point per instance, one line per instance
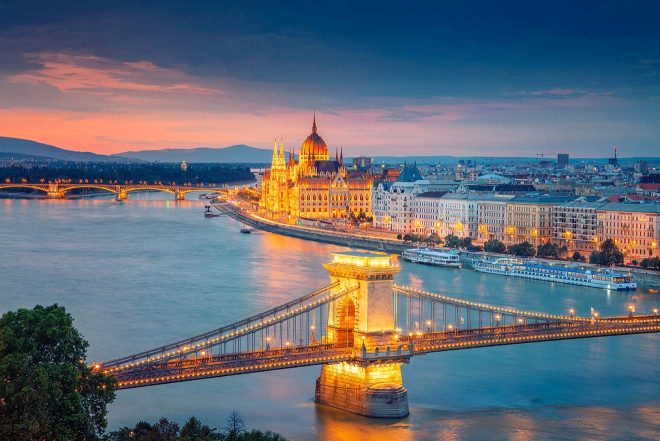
(369, 385)
(54, 192)
(120, 195)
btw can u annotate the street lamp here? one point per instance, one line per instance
(631, 309)
(497, 319)
(571, 312)
(428, 325)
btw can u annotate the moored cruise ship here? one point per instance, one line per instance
(571, 274)
(433, 257)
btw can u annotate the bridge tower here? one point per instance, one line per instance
(363, 320)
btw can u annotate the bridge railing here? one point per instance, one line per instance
(291, 324)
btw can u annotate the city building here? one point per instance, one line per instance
(491, 217)
(529, 219)
(635, 228)
(184, 166)
(392, 202)
(315, 186)
(562, 160)
(575, 224)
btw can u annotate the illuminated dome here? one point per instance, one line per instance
(314, 147)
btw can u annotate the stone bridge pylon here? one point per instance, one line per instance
(364, 321)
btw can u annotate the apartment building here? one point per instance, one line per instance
(635, 228)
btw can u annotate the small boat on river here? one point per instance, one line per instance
(448, 258)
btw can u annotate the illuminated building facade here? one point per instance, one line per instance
(635, 228)
(529, 219)
(315, 186)
(575, 225)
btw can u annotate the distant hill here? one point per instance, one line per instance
(23, 148)
(235, 153)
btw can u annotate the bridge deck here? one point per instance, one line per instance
(256, 361)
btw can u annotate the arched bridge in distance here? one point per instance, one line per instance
(361, 328)
(60, 190)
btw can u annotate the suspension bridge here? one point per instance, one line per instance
(360, 328)
(60, 190)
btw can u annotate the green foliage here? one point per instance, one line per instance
(650, 263)
(123, 173)
(578, 257)
(550, 250)
(609, 254)
(494, 246)
(46, 390)
(256, 435)
(524, 249)
(452, 241)
(192, 430)
(434, 238)
(360, 218)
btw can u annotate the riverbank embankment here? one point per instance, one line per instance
(644, 278)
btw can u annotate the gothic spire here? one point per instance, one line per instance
(341, 157)
(314, 123)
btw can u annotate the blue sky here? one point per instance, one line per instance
(462, 78)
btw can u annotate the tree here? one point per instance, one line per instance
(234, 427)
(256, 435)
(578, 257)
(194, 430)
(164, 430)
(466, 242)
(524, 249)
(46, 390)
(609, 254)
(650, 263)
(550, 250)
(494, 246)
(452, 241)
(434, 238)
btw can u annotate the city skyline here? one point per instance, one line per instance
(463, 80)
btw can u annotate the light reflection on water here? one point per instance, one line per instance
(142, 273)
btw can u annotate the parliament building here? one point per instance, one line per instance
(315, 186)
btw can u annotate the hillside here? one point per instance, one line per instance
(23, 148)
(234, 153)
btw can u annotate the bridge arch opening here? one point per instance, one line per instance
(345, 321)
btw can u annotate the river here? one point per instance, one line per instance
(142, 273)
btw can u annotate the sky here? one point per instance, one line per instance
(461, 78)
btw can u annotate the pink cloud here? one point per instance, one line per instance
(96, 104)
(89, 73)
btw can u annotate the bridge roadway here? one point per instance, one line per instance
(59, 190)
(403, 348)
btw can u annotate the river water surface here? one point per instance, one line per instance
(139, 274)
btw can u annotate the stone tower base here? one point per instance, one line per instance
(373, 391)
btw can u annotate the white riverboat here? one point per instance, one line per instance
(448, 258)
(561, 273)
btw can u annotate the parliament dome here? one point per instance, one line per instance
(314, 146)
